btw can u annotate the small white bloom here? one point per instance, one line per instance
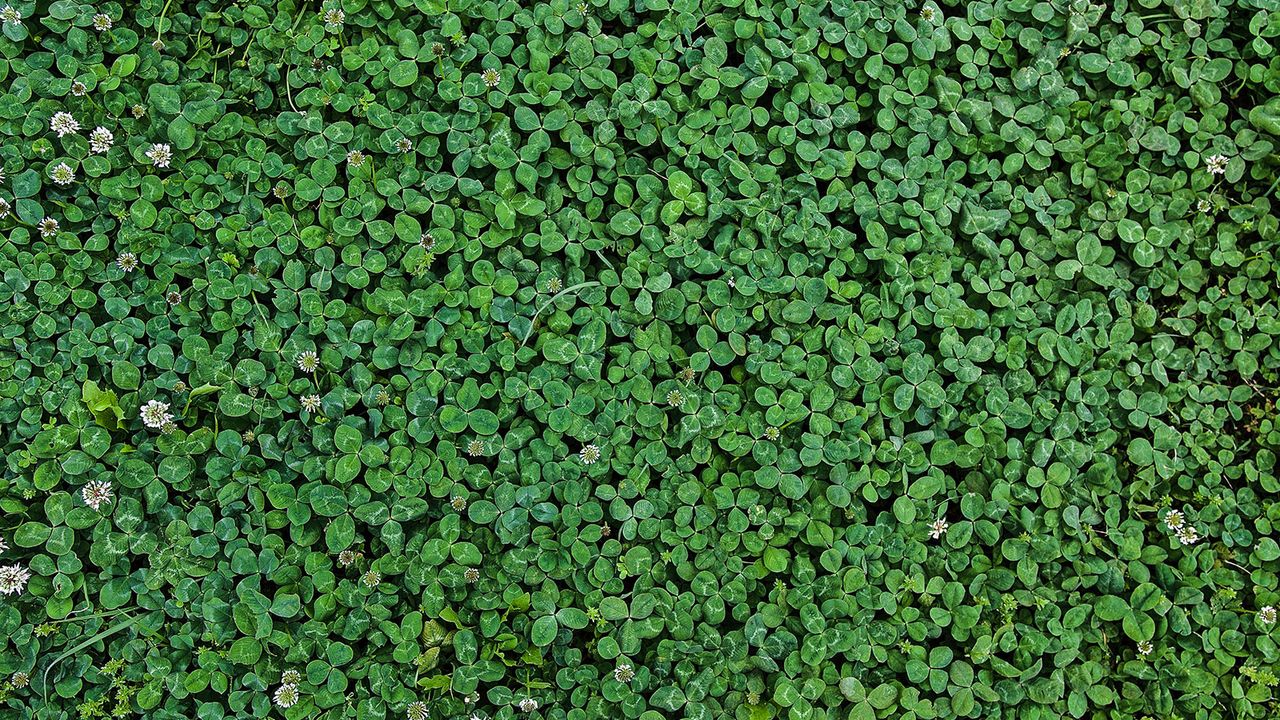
(1267, 615)
(1174, 519)
(1187, 535)
(62, 174)
(308, 361)
(127, 261)
(471, 575)
(589, 454)
(102, 22)
(404, 145)
(290, 677)
(528, 705)
(426, 242)
(3, 545)
(927, 13)
(48, 227)
(623, 673)
(417, 711)
(10, 16)
(287, 695)
(939, 528)
(79, 89)
(64, 124)
(1204, 205)
(97, 493)
(101, 140)
(13, 579)
(160, 154)
(731, 282)
(19, 679)
(1216, 164)
(475, 448)
(311, 403)
(371, 579)
(333, 19)
(492, 78)
(5, 207)
(675, 398)
(155, 414)
(1145, 647)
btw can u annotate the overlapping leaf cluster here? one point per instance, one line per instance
(723, 359)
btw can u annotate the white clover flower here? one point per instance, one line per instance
(101, 140)
(528, 705)
(772, 433)
(290, 677)
(48, 227)
(127, 261)
(458, 503)
(160, 154)
(5, 207)
(63, 123)
(173, 297)
(623, 673)
(97, 493)
(675, 398)
(589, 454)
(426, 242)
(371, 579)
(554, 285)
(355, 158)
(333, 19)
(1203, 205)
(475, 447)
(3, 545)
(731, 282)
(1267, 615)
(79, 89)
(308, 361)
(1187, 535)
(1174, 519)
(417, 711)
(19, 679)
(287, 695)
(347, 558)
(102, 22)
(471, 575)
(1216, 164)
(311, 403)
(939, 528)
(10, 16)
(1145, 647)
(404, 145)
(62, 174)
(155, 414)
(492, 78)
(583, 8)
(927, 13)
(13, 579)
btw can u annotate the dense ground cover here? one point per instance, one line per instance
(654, 359)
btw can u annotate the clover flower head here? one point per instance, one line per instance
(1145, 647)
(138, 111)
(589, 454)
(355, 158)
(3, 545)
(62, 174)
(927, 13)
(102, 22)
(938, 528)
(287, 695)
(404, 145)
(5, 208)
(427, 242)
(371, 579)
(383, 398)
(311, 403)
(308, 361)
(437, 49)
(528, 705)
(1187, 535)
(10, 16)
(19, 679)
(290, 677)
(554, 284)
(475, 448)
(97, 493)
(173, 297)
(492, 78)
(772, 433)
(160, 154)
(347, 558)
(63, 123)
(127, 261)
(79, 89)
(1267, 615)
(334, 19)
(458, 503)
(623, 673)
(1216, 164)
(1203, 205)
(1174, 519)
(155, 414)
(675, 398)
(583, 8)
(471, 575)
(48, 227)
(13, 579)
(101, 140)
(417, 711)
